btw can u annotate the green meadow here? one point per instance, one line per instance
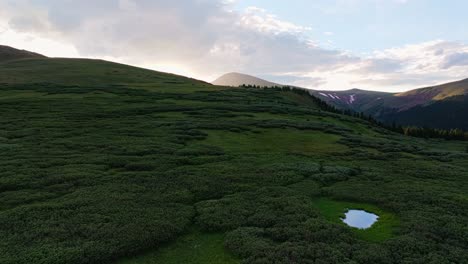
(385, 228)
(106, 163)
(195, 247)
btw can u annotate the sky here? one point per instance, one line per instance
(384, 45)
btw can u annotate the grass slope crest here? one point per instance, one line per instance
(8, 53)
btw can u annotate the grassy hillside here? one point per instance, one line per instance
(91, 73)
(9, 53)
(439, 92)
(446, 114)
(105, 163)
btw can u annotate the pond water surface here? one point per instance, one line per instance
(360, 219)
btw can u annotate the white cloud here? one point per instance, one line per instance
(426, 63)
(32, 42)
(265, 22)
(206, 38)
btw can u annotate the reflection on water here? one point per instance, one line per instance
(360, 219)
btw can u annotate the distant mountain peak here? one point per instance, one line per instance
(8, 53)
(236, 79)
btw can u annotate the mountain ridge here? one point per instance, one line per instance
(446, 102)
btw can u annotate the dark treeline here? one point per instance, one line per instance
(413, 131)
(425, 132)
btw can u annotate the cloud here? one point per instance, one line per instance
(207, 38)
(261, 20)
(456, 59)
(381, 65)
(205, 35)
(295, 80)
(403, 68)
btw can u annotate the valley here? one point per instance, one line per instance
(443, 106)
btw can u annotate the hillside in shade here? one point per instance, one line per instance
(8, 53)
(442, 106)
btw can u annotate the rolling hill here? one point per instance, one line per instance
(108, 163)
(8, 53)
(237, 79)
(437, 93)
(85, 72)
